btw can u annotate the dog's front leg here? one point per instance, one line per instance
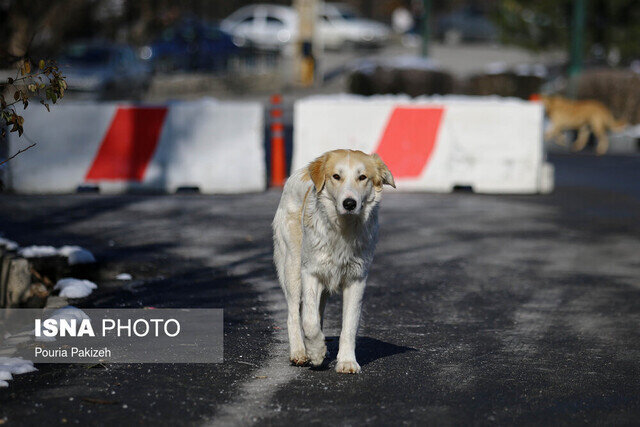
(351, 306)
(553, 134)
(314, 338)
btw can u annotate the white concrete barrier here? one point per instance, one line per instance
(492, 144)
(214, 146)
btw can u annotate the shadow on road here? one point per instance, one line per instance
(367, 350)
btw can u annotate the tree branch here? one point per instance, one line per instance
(19, 152)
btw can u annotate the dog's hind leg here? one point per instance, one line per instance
(581, 139)
(314, 338)
(293, 292)
(600, 131)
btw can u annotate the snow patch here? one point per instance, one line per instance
(75, 254)
(67, 313)
(496, 68)
(37, 251)
(409, 62)
(75, 288)
(538, 70)
(10, 366)
(9, 245)
(124, 276)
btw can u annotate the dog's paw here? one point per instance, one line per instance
(299, 358)
(316, 355)
(348, 367)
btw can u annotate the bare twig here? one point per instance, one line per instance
(19, 152)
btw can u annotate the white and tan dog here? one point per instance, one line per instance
(324, 233)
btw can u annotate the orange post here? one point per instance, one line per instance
(278, 159)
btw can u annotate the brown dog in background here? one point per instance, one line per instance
(583, 116)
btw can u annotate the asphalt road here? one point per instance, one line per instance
(479, 309)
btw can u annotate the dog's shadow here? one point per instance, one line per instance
(367, 350)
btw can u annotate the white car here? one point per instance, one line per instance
(339, 24)
(272, 27)
(264, 26)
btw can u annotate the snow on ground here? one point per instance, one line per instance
(37, 251)
(10, 366)
(538, 70)
(75, 254)
(75, 288)
(69, 313)
(124, 276)
(10, 245)
(495, 68)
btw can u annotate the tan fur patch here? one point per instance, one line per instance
(317, 172)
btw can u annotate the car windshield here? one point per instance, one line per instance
(86, 55)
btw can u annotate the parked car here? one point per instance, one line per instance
(263, 26)
(467, 24)
(191, 45)
(339, 24)
(273, 27)
(104, 71)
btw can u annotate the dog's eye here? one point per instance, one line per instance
(336, 177)
(362, 178)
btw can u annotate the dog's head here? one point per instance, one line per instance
(349, 181)
(550, 101)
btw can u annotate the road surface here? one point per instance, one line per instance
(479, 309)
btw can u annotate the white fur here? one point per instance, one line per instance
(321, 249)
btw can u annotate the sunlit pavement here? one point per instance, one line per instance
(479, 309)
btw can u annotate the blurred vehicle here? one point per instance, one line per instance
(191, 45)
(104, 71)
(340, 24)
(467, 24)
(263, 26)
(273, 27)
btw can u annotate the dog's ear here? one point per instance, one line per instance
(317, 172)
(383, 171)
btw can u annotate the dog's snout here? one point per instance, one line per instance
(349, 204)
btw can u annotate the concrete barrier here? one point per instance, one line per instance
(493, 145)
(216, 147)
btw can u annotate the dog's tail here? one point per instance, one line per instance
(617, 125)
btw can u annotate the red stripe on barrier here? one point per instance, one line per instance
(409, 139)
(129, 144)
